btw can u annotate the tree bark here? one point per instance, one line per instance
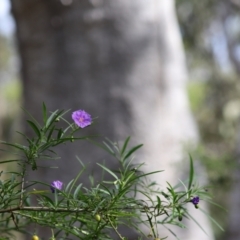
(120, 60)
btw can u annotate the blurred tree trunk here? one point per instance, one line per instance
(120, 60)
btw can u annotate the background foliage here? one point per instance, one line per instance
(211, 37)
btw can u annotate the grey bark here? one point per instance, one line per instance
(120, 60)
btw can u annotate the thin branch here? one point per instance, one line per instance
(115, 229)
(14, 220)
(77, 210)
(22, 186)
(42, 209)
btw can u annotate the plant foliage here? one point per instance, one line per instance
(128, 200)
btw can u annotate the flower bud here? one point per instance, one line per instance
(35, 237)
(98, 217)
(56, 185)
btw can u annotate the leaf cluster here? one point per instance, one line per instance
(129, 199)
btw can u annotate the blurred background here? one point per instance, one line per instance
(210, 35)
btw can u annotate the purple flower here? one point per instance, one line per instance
(56, 185)
(195, 200)
(82, 118)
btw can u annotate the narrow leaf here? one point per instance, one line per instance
(212, 219)
(125, 145)
(48, 199)
(75, 180)
(30, 115)
(108, 170)
(77, 191)
(109, 150)
(52, 118)
(68, 185)
(35, 128)
(132, 151)
(60, 133)
(195, 221)
(191, 173)
(50, 133)
(18, 146)
(8, 161)
(44, 109)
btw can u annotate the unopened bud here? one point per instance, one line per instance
(98, 217)
(35, 237)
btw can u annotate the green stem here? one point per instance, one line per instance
(115, 229)
(22, 185)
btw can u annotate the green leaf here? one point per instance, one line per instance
(106, 191)
(77, 191)
(125, 145)
(106, 148)
(50, 133)
(109, 149)
(191, 173)
(212, 219)
(52, 118)
(8, 161)
(132, 151)
(217, 205)
(190, 216)
(73, 182)
(38, 192)
(60, 133)
(98, 206)
(44, 109)
(182, 183)
(173, 233)
(35, 128)
(22, 134)
(108, 170)
(159, 203)
(18, 146)
(144, 175)
(56, 197)
(68, 185)
(30, 115)
(48, 199)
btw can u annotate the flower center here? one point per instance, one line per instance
(81, 119)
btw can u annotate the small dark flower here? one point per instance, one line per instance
(195, 200)
(56, 185)
(82, 118)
